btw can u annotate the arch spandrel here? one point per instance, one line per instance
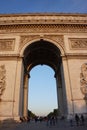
(55, 40)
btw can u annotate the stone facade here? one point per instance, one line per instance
(67, 33)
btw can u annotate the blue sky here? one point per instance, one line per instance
(42, 90)
(26, 6)
(42, 84)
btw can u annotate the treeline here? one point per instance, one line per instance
(54, 113)
(31, 114)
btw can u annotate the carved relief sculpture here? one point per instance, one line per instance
(78, 43)
(83, 79)
(6, 44)
(2, 79)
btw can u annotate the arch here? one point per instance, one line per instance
(46, 39)
(41, 52)
(21, 34)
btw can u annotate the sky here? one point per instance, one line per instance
(42, 97)
(32, 6)
(42, 90)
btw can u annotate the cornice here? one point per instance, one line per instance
(70, 57)
(9, 55)
(75, 55)
(44, 18)
(44, 28)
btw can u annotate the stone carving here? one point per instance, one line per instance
(57, 38)
(78, 43)
(6, 44)
(42, 28)
(2, 79)
(83, 79)
(49, 18)
(27, 38)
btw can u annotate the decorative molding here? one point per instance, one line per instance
(43, 28)
(8, 100)
(2, 79)
(83, 79)
(7, 44)
(78, 43)
(43, 18)
(25, 39)
(57, 38)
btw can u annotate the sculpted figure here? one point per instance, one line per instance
(83, 78)
(2, 78)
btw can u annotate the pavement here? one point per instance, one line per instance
(60, 125)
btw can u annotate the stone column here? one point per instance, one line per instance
(67, 87)
(59, 92)
(25, 107)
(18, 89)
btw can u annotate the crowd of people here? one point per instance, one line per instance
(52, 120)
(79, 119)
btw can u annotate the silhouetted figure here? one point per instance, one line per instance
(56, 119)
(36, 119)
(77, 119)
(82, 119)
(50, 120)
(53, 120)
(28, 119)
(71, 122)
(22, 119)
(47, 120)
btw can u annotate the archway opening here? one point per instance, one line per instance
(43, 53)
(42, 95)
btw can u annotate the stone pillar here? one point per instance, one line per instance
(59, 93)
(18, 89)
(67, 87)
(25, 107)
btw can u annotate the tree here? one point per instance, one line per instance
(54, 113)
(30, 114)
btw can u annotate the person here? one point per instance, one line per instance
(53, 120)
(47, 120)
(82, 119)
(28, 119)
(50, 120)
(71, 120)
(77, 119)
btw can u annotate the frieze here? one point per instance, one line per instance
(80, 43)
(43, 28)
(2, 79)
(7, 44)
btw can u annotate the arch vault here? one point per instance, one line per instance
(57, 40)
